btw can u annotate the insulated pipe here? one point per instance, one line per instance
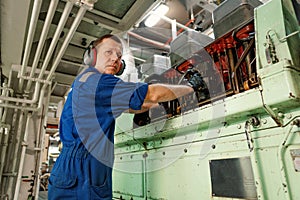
(22, 158)
(67, 40)
(161, 45)
(56, 36)
(34, 17)
(49, 17)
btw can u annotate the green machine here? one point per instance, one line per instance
(241, 141)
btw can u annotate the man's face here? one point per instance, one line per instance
(109, 55)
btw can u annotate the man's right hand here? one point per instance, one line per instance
(195, 80)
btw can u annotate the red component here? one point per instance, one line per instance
(244, 32)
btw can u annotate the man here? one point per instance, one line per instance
(84, 167)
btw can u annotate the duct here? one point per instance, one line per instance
(22, 158)
(34, 17)
(45, 30)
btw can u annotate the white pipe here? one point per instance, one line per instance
(5, 135)
(41, 146)
(56, 36)
(33, 21)
(28, 101)
(15, 153)
(174, 30)
(49, 17)
(170, 21)
(67, 40)
(3, 150)
(8, 149)
(161, 45)
(27, 108)
(59, 29)
(22, 158)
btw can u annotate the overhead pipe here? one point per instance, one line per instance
(55, 39)
(49, 17)
(161, 45)
(34, 17)
(60, 26)
(67, 40)
(171, 21)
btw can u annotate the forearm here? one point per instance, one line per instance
(163, 92)
(144, 108)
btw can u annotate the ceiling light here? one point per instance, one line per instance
(161, 10)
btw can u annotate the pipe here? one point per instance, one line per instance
(4, 139)
(59, 29)
(180, 30)
(15, 153)
(41, 145)
(56, 36)
(67, 40)
(254, 161)
(161, 45)
(33, 21)
(49, 17)
(281, 149)
(27, 101)
(7, 89)
(22, 158)
(27, 108)
(170, 21)
(3, 149)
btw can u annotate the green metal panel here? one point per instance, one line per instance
(172, 159)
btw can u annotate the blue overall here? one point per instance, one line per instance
(84, 168)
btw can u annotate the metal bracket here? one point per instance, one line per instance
(89, 4)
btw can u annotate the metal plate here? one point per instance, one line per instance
(232, 178)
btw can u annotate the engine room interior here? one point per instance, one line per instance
(237, 137)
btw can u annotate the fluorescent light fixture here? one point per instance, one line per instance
(161, 10)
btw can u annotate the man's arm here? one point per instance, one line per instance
(163, 92)
(145, 107)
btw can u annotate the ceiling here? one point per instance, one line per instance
(20, 46)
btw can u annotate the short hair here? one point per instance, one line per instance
(98, 41)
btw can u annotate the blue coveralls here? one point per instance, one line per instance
(84, 168)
